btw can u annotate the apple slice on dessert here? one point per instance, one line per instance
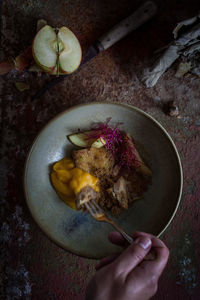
(57, 51)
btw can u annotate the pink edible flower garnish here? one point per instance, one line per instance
(117, 141)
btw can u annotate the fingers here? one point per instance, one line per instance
(154, 267)
(129, 259)
(149, 272)
(161, 259)
(162, 253)
(157, 266)
(133, 255)
(157, 241)
(117, 239)
(105, 261)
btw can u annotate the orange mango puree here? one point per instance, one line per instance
(69, 180)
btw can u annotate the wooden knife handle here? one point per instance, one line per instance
(139, 17)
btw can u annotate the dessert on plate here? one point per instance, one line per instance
(106, 161)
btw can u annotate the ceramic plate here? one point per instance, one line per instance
(78, 232)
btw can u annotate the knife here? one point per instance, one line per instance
(139, 17)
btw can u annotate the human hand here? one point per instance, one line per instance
(127, 276)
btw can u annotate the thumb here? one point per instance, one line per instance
(133, 255)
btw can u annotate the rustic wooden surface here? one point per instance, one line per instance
(32, 267)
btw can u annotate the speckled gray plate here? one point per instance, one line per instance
(78, 232)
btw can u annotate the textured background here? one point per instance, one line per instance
(32, 267)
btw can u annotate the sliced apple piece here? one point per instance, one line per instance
(70, 51)
(80, 139)
(98, 143)
(45, 49)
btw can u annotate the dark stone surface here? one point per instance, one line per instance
(32, 266)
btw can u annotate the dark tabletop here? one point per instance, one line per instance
(32, 266)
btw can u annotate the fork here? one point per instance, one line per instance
(86, 199)
(97, 213)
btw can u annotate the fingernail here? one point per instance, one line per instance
(144, 242)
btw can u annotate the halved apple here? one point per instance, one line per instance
(57, 51)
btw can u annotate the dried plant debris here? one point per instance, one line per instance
(183, 68)
(19, 63)
(22, 86)
(171, 109)
(24, 61)
(40, 24)
(186, 44)
(6, 66)
(181, 25)
(35, 69)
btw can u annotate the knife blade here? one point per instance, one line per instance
(91, 53)
(116, 33)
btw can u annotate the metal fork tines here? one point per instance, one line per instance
(98, 213)
(94, 209)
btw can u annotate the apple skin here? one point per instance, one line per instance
(62, 72)
(52, 70)
(44, 68)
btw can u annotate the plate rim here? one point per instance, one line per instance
(132, 107)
